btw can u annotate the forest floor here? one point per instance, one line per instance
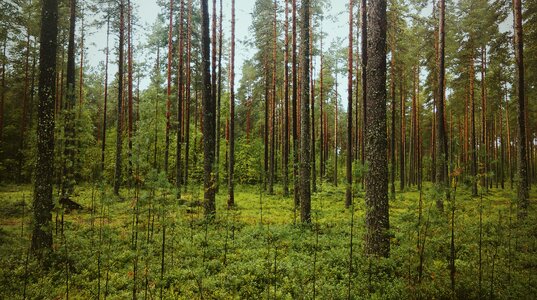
(114, 249)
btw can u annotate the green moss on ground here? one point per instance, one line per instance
(257, 251)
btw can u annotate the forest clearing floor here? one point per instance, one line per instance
(114, 248)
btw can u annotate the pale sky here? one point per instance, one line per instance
(148, 10)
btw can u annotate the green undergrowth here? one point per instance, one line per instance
(113, 247)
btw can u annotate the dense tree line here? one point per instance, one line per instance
(434, 92)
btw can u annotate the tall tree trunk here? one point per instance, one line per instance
(209, 120)
(187, 86)
(130, 88)
(286, 105)
(214, 91)
(219, 97)
(336, 102)
(465, 143)
(522, 187)
(81, 66)
(273, 101)
(294, 98)
(472, 121)
(312, 109)
(394, 101)
(3, 93)
(43, 204)
(266, 128)
(363, 13)
(24, 114)
(418, 129)
(231, 161)
(441, 145)
(105, 108)
(502, 147)
(68, 161)
(433, 142)
(508, 142)
(248, 119)
(305, 167)
(415, 128)
(169, 92)
(402, 141)
(348, 192)
(322, 131)
(484, 140)
(357, 102)
(155, 129)
(376, 198)
(119, 132)
(180, 101)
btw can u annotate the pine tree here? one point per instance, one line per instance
(305, 167)
(169, 92)
(441, 145)
(180, 101)
(286, 105)
(231, 161)
(522, 187)
(119, 131)
(376, 198)
(209, 120)
(348, 194)
(69, 158)
(42, 229)
(105, 106)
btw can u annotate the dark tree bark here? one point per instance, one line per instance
(305, 167)
(376, 198)
(522, 186)
(348, 192)
(42, 229)
(442, 178)
(169, 92)
(69, 151)
(231, 161)
(119, 132)
(209, 120)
